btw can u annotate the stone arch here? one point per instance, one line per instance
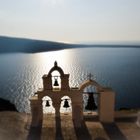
(90, 82)
(86, 95)
(56, 68)
(50, 102)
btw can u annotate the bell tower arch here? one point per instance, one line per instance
(47, 79)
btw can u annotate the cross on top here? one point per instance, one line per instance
(89, 76)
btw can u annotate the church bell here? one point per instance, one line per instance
(90, 103)
(47, 103)
(66, 103)
(56, 81)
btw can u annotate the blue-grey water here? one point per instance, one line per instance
(21, 73)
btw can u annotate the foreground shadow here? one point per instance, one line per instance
(82, 132)
(58, 135)
(35, 133)
(113, 131)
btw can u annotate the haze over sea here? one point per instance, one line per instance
(21, 73)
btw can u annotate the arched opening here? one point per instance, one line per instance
(56, 80)
(47, 105)
(48, 112)
(66, 105)
(90, 100)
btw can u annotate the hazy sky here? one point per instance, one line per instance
(71, 20)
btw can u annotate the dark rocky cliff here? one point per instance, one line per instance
(5, 105)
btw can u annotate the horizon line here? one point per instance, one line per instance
(129, 42)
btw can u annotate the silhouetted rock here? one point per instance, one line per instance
(5, 105)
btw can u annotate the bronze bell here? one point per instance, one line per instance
(66, 103)
(56, 82)
(90, 103)
(47, 103)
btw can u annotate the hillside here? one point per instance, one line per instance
(10, 45)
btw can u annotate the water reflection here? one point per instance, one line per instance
(48, 58)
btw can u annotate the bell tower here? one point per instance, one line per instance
(106, 98)
(47, 79)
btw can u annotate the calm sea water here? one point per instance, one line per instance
(21, 74)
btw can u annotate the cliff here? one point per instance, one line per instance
(5, 105)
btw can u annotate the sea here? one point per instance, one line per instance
(118, 68)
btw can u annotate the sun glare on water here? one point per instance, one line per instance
(48, 58)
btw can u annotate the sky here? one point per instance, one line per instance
(71, 21)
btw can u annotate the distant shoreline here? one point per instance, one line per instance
(21, 45)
